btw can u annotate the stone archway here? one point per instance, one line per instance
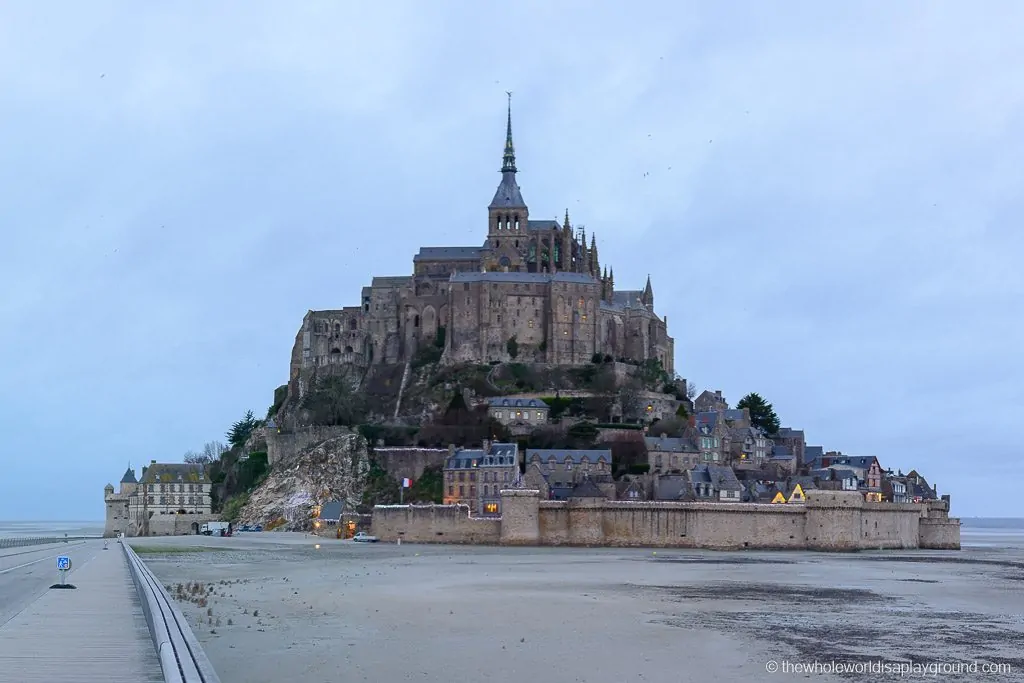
(195, 528)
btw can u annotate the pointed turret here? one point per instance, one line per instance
(595, 265)
(647, 299)
(604, 284)
(611, 283)
(566, 244)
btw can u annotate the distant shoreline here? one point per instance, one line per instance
(10, 528)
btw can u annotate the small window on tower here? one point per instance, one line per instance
(531, 323)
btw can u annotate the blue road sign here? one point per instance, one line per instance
(63, 563)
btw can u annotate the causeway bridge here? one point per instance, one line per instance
(117, 625)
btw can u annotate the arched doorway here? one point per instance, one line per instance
(195, 528)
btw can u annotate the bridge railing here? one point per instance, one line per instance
(181, 656)
(21, 541)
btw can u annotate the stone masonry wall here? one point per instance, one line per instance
(433, 524)
(409, 462)
(829, 521)
(285, 446)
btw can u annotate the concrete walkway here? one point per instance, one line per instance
(95, 633)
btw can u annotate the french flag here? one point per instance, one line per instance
(406, 483)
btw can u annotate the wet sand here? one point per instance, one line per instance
(282, 610)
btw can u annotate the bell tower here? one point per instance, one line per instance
(507, 214)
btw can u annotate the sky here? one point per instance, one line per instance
(823, 195)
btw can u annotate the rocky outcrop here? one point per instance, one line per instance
(333, 469)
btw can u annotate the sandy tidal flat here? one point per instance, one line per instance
(273, 607)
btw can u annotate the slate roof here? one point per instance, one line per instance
(496, 276)
(129, 477)
(447, 254)
(721, 477)
(782, 453)
(386, 281)
(543, 225)
(627, 297)
(574, 456)
(670, 487)
(586, 489)
(332, 510)
(508, 195)
(812, 452)
(710, 418)
(670, 444)
(499, 455)
(500, 402)
(172, 473)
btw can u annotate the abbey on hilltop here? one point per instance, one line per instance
(534, 290)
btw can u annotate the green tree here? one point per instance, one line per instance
(242, 430)
(512, 347)
(381, 488)
(762, 414)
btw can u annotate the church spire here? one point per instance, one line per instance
(508, 162)
(508, 195)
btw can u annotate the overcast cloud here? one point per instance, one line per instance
(827, 198)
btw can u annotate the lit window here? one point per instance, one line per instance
(540, 415)
(584, 317)
(491, 507)
(531, 323)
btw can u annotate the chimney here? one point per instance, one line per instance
(451, 450)
(152, 462)
(486, 445)
(718, 394)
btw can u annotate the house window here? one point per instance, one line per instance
(491, 508)
(472, 476)
(472, 492)
(540, 415)
(530, 323)
(451, 490)
(462, 491)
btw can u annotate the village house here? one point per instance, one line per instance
(567, 466)
(667, 454)
(520, 415)
(792, 440)
(475, 477)
(710, 402)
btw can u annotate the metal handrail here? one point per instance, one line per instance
(181, 656)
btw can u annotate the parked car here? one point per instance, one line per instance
(364, 537)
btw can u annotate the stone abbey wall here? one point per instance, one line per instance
(829, 521)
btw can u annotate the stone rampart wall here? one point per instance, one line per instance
(177, 525)
(829, 521)
(433, 524)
